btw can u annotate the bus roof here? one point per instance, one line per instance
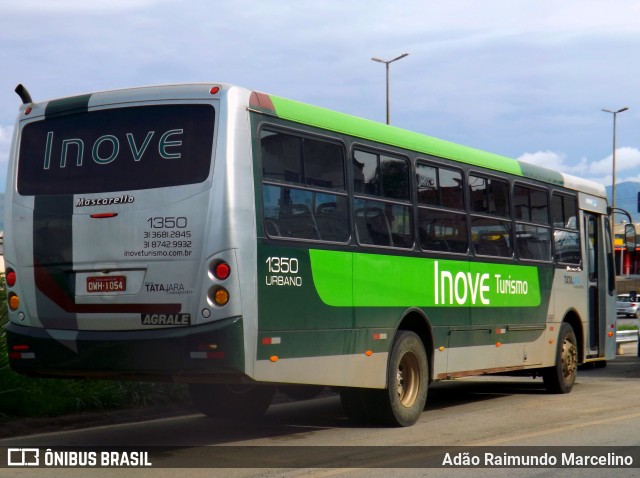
(351, 125)
(393, 136)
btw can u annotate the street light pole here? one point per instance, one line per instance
(386, 62)
(613, 181)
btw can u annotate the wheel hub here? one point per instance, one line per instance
(408, 379)
(569, 358)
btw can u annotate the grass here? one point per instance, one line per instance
(22, 396)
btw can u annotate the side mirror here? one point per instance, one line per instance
(630, 237)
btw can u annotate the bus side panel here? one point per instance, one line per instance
(302, 339)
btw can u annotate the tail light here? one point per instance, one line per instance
(11, 277)
(219, 271)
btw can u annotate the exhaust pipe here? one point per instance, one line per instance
(23, 94)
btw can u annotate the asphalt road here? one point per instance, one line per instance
(602, 410)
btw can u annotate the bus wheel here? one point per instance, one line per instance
(402, 403)
(561, 377)
(231, 401)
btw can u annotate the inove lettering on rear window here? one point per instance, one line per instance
(118, 149)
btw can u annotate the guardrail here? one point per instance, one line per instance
(626, 336)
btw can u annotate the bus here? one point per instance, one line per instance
(239, 242)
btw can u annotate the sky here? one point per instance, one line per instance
(526, 79)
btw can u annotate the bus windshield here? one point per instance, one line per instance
(122, 149)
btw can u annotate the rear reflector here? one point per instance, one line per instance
(21, 355)
(14, 301)
(271, 340)
(219, 296)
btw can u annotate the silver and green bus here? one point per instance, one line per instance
(239, 242)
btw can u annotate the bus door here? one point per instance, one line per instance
(598, 288)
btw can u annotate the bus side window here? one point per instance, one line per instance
(385, 218)
(332, 219)
(442, 231)
(296, 220)
(372, 224)
(531, 205)
(304, 191)
(491, 237)
(566, 237)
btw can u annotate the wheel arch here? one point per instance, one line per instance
(416, 321)
(572, 318)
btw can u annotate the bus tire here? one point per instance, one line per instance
(561, 377)
(403, 401)
(237, 401)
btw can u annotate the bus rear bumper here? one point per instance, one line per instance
(197, 353)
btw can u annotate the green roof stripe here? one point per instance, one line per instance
(542, 174)
(66, 106)
(392, 136)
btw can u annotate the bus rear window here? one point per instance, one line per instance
(118, 149)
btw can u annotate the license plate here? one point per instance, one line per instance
(107, 284)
